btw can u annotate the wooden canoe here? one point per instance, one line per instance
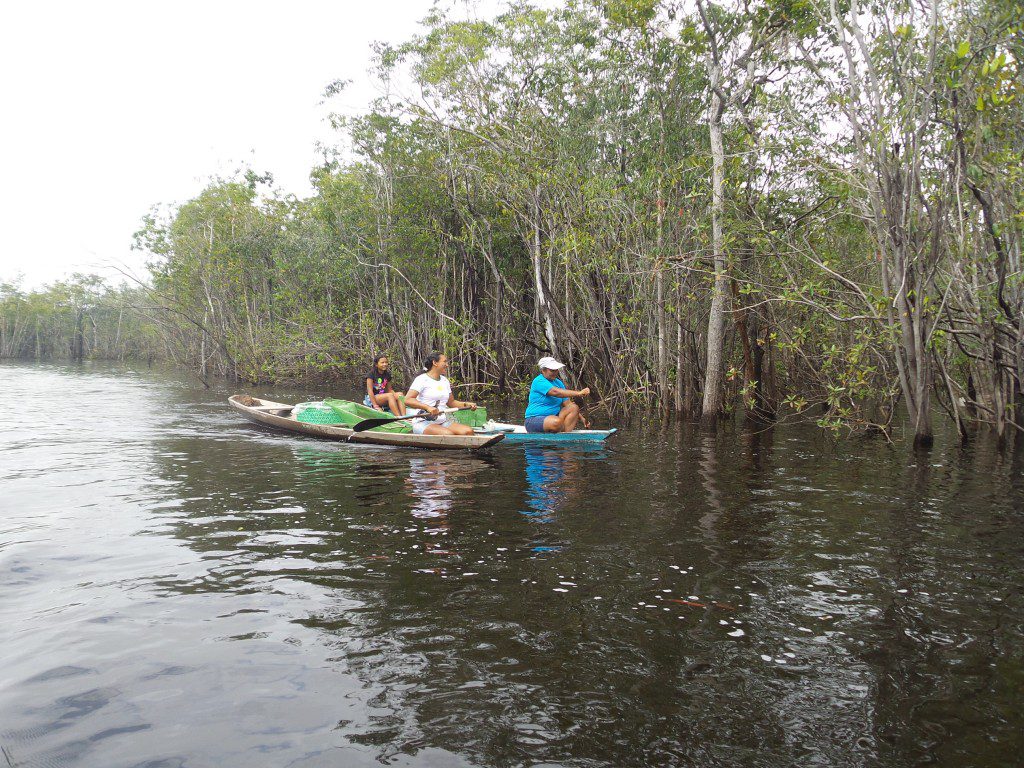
(279, 415)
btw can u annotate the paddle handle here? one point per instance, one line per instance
(420, 414)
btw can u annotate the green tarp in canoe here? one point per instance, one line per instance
(352, 413)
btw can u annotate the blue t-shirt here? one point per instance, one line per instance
(540, 403)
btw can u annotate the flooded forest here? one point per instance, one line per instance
(802, 211)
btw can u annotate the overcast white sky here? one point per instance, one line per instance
(109, 108)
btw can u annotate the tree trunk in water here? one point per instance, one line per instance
(680, 350)
(202, 352)
(78, 350)
(923, 434)
(664, 393)
(713, 373)
(538, 277)
(999, 399)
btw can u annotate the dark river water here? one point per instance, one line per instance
(179, 588)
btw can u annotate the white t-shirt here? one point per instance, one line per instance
(432, 392)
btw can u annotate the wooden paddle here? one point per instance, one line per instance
(366, 424)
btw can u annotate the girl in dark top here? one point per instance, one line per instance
(379, 393)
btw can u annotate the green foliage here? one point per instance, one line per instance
(554, 171)
(630, 13)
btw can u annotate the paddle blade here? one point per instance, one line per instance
(366, 424)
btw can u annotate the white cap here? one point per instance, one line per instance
(551, 363)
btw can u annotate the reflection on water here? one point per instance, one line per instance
(549, 475)
(552, 475)
(427, 485)
(761, 597)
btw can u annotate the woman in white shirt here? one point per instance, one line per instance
(431, 391)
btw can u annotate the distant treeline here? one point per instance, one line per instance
(806, 208)
(80, 318)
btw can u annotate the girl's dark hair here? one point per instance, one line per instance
(376, 359)
(430, 359)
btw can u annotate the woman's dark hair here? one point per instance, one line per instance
(430, 359)
(377, 359)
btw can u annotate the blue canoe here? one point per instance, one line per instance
(516, 433)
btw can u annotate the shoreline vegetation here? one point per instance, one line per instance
(794, 210)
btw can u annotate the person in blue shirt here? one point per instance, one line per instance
(549, 408)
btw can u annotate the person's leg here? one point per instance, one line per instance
(534, 424)
(553, 424)
(570, 414)
(450, 428)
(390, 401)
(437, 429)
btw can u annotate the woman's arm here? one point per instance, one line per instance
(412, 402)
(559, 392)
(453, 403)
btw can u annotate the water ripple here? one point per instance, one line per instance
(677, 598)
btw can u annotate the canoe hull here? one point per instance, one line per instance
(516, 433)
(278, 415)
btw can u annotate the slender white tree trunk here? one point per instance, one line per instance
(538, 277)
(664, 393)
(714, 374)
